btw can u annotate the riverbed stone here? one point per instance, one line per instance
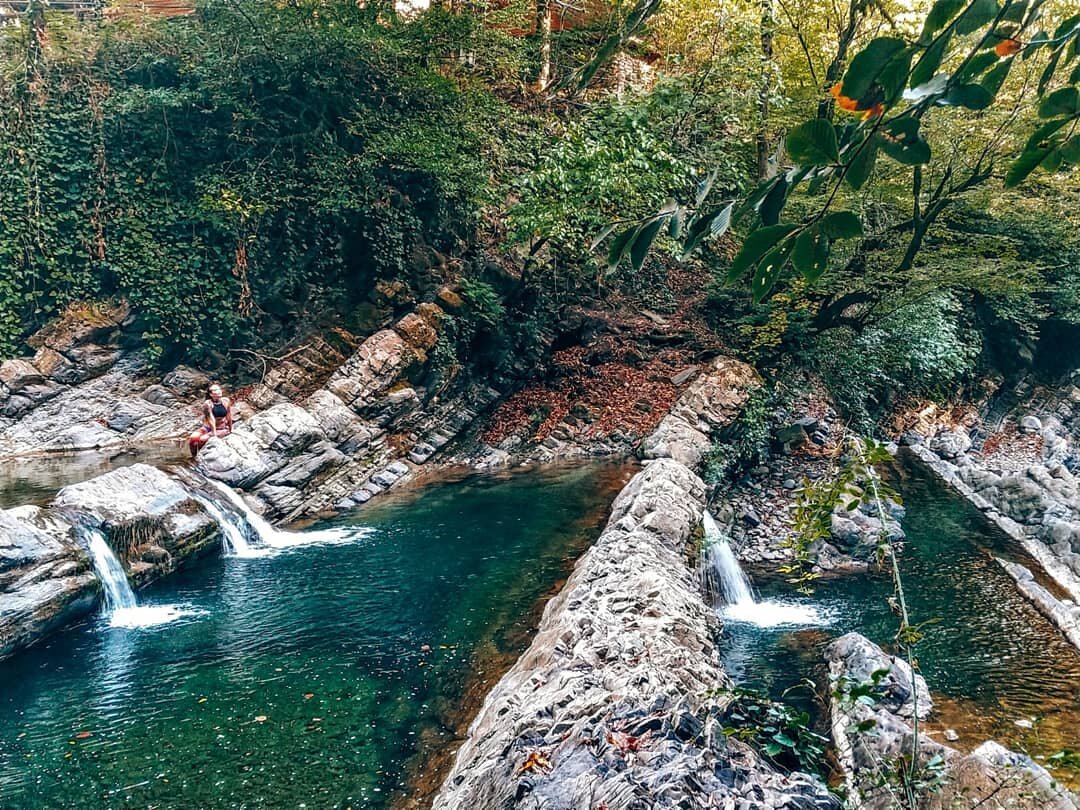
(871, 737)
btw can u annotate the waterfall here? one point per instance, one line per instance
(721, 567)
(723, 577)
(118, 593)
(278, 538)
(232, 528)
(121, 607)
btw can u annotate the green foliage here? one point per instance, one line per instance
(923, 348)
(239, 165)
(782, 734)
(815, 502)
(894, 86)
(609, 161)
(742, 443)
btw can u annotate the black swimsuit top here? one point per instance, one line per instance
(219, 410)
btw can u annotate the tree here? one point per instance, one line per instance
(892, 87)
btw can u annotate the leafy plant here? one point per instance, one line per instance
(782, 734)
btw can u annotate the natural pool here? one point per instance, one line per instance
(989, 657)
(36, 479)
(319, 676)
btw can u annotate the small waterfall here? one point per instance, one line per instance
(121, 607)
(723, 578)
(279, 538)
(232, 528)
(722, 569)
(118, 593)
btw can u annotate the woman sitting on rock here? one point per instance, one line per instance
(217, 420)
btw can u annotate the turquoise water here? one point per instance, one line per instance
(320, 676)
(989, 657)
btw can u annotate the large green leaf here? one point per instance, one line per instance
(862, 164)
(774, 201)
(978, 14)
(977, 65)
(930, 61)
(643, 241)
(754, 247)
(902, 141)
(620, 246)
(813, 143)
(810, 256)
(993, 80)
(1065, 101)
(768, 270)
(714, 221)
(841, 225)
(971, 96)
(881, 62)
(940, 13)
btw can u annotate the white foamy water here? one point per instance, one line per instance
(723, 568)
(232, 529)
(132, 618)
(775, 613)
(278, 538)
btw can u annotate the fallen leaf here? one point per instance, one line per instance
(308, 695)
(536, 761)
(82, 735)
(260, 718)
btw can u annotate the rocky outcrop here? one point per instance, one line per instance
(45, 581)
(1037, 506)
(616, 702)
(710, 404)
(1064, 613)
(875, 699)
(363, 431)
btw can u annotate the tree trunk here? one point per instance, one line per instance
(768, 23)
(543, 31)
(835, 70)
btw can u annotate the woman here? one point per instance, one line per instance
(217, 419)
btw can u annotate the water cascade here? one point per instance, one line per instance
(723, 577)
(121, 607)
(278, 538)
(232, 528)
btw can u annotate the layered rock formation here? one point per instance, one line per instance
(349, 440)
(874, 731)
(615, 703)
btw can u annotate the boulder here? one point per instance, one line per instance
(18, 374)
(951, 443)
(874, 732)
(45, 580)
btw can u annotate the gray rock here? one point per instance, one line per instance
(1030, 424)
(951, 443)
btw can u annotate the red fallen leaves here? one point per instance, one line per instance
(611, 391)
(626, 743)
(82, 735)
(1007, 47)
(536, 761)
